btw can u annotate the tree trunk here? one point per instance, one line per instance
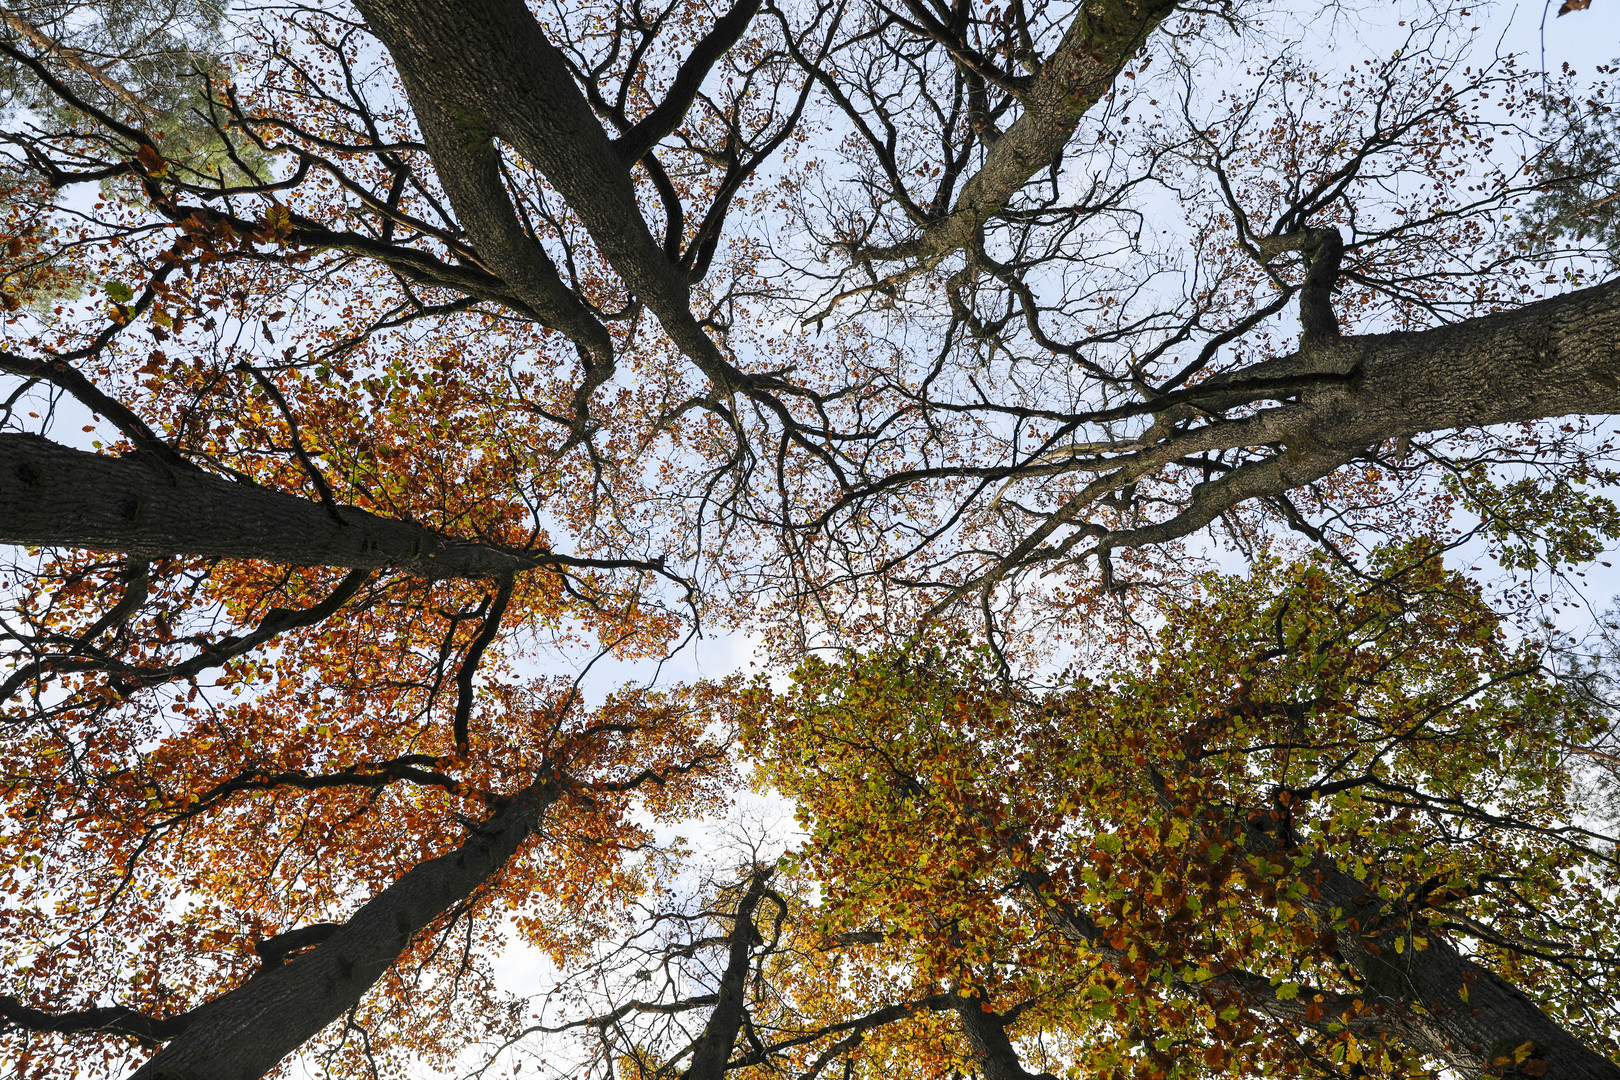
(986, 1033)
(713, 1047)
(247, 1032)
(1081, 70)
(54, 496)
(1556, 357)
(1424, 990)
(1444, 1005)
(479, 70)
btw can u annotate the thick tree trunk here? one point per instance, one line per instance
(54, 496)
(1438, 1003)
(247, 1032)
(1557, 357)
(993, 1051)
(1444, 1005)
(1552, 358)
(478, 70)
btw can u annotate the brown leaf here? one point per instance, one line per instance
(152, 162)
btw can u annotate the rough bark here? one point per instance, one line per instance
(993, 1051)
(1324, 248)
(484, 69)
(1104, 35)
(1438, 1002)
(1446, 1006)
(247, 1032)
(468, 165)
(274, 951)
(1557, 357)
(51, 495)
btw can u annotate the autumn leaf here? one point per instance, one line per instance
(151, 162)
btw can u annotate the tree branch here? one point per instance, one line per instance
(1102, 37)
(229, 1036)
(54, 496)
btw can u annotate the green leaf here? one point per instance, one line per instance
(118, 292)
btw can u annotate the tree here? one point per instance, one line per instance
(1351, 847)
(732, 979)
(1578, 163)
(452, 332)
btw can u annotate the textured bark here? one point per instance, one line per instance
(993, 1051)
(1558, 357)
(1324, 248)
(247, 1032)
(274, 951)
(1446, 1006)
(1104, 35)
(483, 69)
(51, 495)
(1424, 989)
(468, 165)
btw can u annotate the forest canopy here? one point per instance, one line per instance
(1156, 448)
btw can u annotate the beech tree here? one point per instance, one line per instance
(361, 358)
(1318, 828)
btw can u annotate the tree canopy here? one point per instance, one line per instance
(370, 371)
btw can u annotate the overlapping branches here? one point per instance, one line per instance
(450, 333)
